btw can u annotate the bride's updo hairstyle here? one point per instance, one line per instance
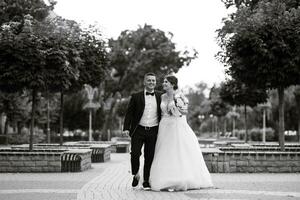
(173, 80)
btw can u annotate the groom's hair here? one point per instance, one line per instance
(149, 74)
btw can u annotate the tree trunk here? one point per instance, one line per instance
(108, 120)
(233, 127)
(281, 118)
(246, 124)
(14, 127)
(224, 126)
(1, 126)
(61, 117)
(48, 120)
(297, 98)
(90, 124)
(34, 92)
(105, 135)
(19, 128)
(6, 131)
(264, 126)
(217, 128)
(298, 133)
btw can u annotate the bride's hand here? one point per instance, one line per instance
(183, 110)
(173, 109)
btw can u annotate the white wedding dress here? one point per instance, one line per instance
(178, 163)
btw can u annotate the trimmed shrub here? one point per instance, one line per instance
(257, 133)
(23, 138)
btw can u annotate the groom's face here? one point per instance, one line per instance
(150, 82)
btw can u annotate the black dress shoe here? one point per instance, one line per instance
(135, 181)
(146, 186)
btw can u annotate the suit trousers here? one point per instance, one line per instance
(143, 136)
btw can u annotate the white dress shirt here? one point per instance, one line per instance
(149, 117)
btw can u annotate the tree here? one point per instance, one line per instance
(94, 69)
(238, 93)
(82, 50)
(37, 57)
(21, 62)
(261, 46)
(219, 108)
(196, 98)
(135, 53)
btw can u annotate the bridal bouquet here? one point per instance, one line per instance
(179, 105)
(181, 101)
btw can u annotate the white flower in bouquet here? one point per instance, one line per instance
(181, 101)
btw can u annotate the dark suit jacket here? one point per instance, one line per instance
(135, 110)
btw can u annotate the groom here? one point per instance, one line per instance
(141, 123)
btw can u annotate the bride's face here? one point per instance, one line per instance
(167, 85)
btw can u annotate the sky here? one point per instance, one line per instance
(192, 22)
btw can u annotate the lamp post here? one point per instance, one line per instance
(200, 118)
(211, 116)
(90, 105)
(233, 115)
(264, 107)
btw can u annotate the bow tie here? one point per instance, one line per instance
(150, 93)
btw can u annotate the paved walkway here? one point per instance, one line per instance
(112, 181)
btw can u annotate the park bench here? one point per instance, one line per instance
(70, 162)
(100, 152)
(122, 147)
(76, 160)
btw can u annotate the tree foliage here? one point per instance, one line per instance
(253, 3)
(137, 52)
(237, 93)
(219, 107)
(15, 10)
(196, 108)
(261, 46)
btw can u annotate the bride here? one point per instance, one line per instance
(178, 162)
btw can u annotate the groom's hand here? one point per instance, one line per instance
(126, 133)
